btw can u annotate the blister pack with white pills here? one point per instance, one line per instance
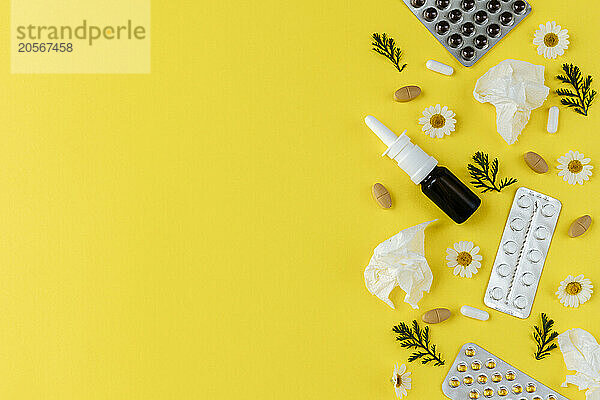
(477, 373)
(469, 28)
(522, 252)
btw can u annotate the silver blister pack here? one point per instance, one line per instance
(478, 374)
(469, 28)
(522, 252)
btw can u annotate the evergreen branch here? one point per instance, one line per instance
(418, 339)
(484, 176)
(581, 99)
(544, 336)
(386, 46)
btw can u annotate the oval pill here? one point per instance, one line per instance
(436, 315)
(536, 162)
(382, 196)
(580, 226)
(439, 67)
(475, 313)
(407, 93)
(552, 126)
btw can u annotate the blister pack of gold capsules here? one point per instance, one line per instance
(522, 252)
(478, 374)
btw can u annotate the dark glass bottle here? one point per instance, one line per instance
(451, 195)
(439, 184)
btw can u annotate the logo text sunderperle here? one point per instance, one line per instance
(82, 32)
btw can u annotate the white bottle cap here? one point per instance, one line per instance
(414, 161)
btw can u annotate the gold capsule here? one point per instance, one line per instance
(468, 380)
(502, 391)
(475, 365)
(536, 398)
(517, 389)
(462, 367)
(482, 378)
(510, 375)
(530, 387)
(469, 351)
(488, 392)
(491, 364)
(454, 382)
(474, 394)
(496, 377)
(551, 397)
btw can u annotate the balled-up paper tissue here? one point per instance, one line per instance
(400, 261)
(582, 355)
(515, 88)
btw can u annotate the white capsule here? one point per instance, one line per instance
(473, 312)
(439, 67)
(552, 126)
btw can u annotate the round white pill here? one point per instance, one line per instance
(439, 67)
(552, 126)
(528, 278)
(534, 255)
(510, 247)
(541, 232)
(517, 224)
(473, 312)
(520, 302)
(497, 293)
(503, 270)
(548, 210)
(524, 201)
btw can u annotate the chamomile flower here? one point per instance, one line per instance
(464, 258)
(401, 380)
(574, 167)
(437, 121)
(551, 40)
(574, 291)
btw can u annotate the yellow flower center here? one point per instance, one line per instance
(464, 258)
(437, 120)
(575, 166)
(398, 380)
(573, 288)
(551, 39)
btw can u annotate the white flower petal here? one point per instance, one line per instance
(452, 252)
(402, 369)
(469, 246)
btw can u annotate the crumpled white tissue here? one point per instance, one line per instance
(400, 261)
(582, 354)
(515, 88)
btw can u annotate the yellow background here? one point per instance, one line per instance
(201, 232)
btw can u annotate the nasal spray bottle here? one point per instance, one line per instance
(437, 183)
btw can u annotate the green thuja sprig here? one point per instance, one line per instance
(386, 46)
(418, 339)
(485, 174)
(543, 337)
(584, 95)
